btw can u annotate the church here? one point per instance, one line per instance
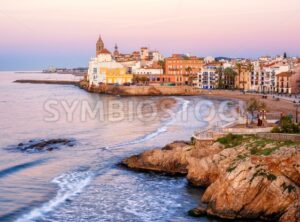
(104, 69)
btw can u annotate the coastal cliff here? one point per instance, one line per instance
(244, 176)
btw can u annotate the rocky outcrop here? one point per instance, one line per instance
(42, 145)
(171, 159)
(255, 178)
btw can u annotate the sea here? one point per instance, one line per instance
(85, 182)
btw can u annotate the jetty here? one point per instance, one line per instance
(56, 82)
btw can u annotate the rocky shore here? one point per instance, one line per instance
(245, 176)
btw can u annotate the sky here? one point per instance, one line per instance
(35, 34)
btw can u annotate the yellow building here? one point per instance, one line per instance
(104, 70)
(115, 75)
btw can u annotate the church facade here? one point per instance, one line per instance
(103, 69)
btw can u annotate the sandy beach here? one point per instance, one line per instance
(273, 106)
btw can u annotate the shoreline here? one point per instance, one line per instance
(281, 106)
(241, 181)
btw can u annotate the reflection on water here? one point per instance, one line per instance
(82, 183)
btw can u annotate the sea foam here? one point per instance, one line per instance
(70, 184)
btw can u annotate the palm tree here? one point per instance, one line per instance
(220, 73)
(239, 71)
(229, 76)
(188, 70)
(250, 69)
(190, 78)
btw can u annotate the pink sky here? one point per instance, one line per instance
(51, 30)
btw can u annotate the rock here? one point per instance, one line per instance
(252, 180)
(42, 145)
(198, 211)
(292, 214)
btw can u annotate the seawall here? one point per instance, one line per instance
(57, 82)
(143, 90)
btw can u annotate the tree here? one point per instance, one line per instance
(286, 126)
(220, 73)
(140, 79)
(254, 105)
(239, 71)
(144, 80)
(229, 78)
(161, 63)
(250, 69)
(190, 77)
(188, 70)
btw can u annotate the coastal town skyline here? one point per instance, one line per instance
(63, 34)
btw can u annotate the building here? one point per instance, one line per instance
(284, 82)
(144, 53)
(295, 80)
(147, 71)
(141, 69)
(263, 77)
(184, 68)
(208, 77)
(99, 45)
(243, 78)
(116, 52)
(104, 70)
(168, 80)
(209, 59)
(155, 56)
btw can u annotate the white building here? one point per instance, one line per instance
(209, 59)
(208, 78)
(263, 78)
(156, 56)
(103, 60)
(148, 71)
(144, 53)
(139, 69)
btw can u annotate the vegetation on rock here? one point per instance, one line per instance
(286, 125)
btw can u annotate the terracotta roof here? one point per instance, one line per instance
(269, 65)
(104, 51)
(285, 74)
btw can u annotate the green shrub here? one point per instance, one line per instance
(286, 126)
(231, 140)
(230, 169)
(193, 141)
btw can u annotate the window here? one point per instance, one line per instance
(94, 70)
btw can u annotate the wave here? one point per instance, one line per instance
(70, 184)
(19, 167)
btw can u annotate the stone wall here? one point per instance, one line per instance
(247, 130)
(280, 136)
(145, 90)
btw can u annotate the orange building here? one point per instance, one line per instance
(162, 79)
(183, 68)
(284, 82)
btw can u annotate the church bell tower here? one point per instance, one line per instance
(99, 45)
